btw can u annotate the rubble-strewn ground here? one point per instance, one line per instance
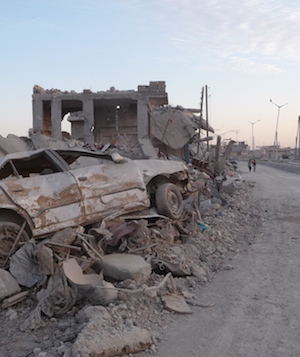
(202, 255)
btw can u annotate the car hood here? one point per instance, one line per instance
(151, 168)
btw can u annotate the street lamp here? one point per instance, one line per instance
(231, 131)
(236, 134)
(252, 123)
(276, 130)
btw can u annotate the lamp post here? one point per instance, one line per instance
(236, 134)
(231, 131)
(276, 130)
(252, 123)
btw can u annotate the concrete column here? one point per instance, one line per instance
(88, 113)
(37, 114)
(142, 116)
(56, 117)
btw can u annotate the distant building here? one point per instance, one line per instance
(240, 150)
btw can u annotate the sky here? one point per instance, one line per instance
(247, 52)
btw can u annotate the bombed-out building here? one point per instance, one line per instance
(139, 123)
(101, 117)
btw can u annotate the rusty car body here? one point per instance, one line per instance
(44, 191)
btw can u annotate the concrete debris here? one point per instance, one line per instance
(125, 266)
(104, 256)
(176, 303)
(198, 271)
(40, 141)
(8, 302)
(115, 266)
(148, 149)
(11, 144)
(91, 286)
(101, 337)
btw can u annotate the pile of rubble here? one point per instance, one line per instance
(109, 292)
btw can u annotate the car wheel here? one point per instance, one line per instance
(168, 200)
(8, 234)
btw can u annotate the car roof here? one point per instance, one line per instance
(69, 155)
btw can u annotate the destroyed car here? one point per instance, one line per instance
(45, 190)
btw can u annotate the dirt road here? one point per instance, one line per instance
(256, 311)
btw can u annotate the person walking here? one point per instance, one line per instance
(249, 165)
(254, 165)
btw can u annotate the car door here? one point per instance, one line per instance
(111, 187)
(53, 201)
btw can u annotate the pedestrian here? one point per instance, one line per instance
(254, 164)
(249, 165)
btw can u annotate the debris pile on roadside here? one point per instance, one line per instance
(107, 291)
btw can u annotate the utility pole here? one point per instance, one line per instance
(206, 107)
(201, 118)
(297, 154)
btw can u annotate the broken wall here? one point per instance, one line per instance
(100, 117)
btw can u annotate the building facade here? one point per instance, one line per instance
(97, 117)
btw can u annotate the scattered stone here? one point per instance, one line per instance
(198, 271)
(101, 338)
(126, 266)
(176, 303)
(11, 314)
(188, 295)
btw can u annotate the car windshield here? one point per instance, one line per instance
(38, 163)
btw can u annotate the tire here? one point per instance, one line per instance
(8, 234)
(168, 200)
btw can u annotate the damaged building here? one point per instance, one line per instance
(102, 117)
(133, 121)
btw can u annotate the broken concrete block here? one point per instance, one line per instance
(102, 336)
(12, 144)
(176, 303)
(8, 284)
(14, 299)
(92, 286)
(43, 141)
(198, 271)
(148, 149)
(126, 266)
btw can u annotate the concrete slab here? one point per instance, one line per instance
(126, 266)
(176, 303)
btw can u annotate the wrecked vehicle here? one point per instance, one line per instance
(43, 191)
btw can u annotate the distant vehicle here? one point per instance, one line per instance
(46, 190)
(232, 161)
